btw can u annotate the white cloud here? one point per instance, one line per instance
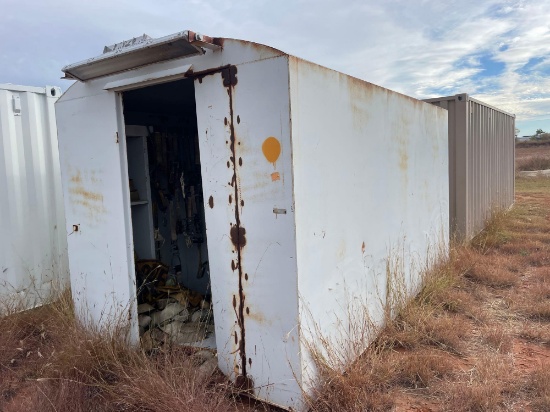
(420, 48)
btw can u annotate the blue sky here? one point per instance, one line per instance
(496, 51)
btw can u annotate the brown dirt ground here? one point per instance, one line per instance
(521, 312)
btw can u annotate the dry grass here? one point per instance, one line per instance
(364, 385)
(539, 388)
(49, 363)
(537, 332)
(454, 347)
(535, 302)
(493, 235)
(534, 163)
(531, 186)
(482, 387)
(495, 270)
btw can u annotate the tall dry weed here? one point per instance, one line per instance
(49, 362)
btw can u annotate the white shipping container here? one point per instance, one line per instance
(33, 241)
(301, 186)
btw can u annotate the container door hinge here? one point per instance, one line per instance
(229, 75)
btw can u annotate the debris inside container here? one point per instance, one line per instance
(171, 315)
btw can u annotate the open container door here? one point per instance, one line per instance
(215, 142)
(243, 118)
(95, 179)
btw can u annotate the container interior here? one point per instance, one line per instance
(168, 221)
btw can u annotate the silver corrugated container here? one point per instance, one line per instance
(309, 184)
(481, 162)
(33, 241)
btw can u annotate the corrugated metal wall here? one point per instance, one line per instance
(33, 241)
(481, 162)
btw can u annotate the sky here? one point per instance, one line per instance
(496, 51)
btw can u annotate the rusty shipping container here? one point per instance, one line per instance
(33, 242)
(481, 162)
(278, 189)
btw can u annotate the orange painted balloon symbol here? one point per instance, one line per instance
(272, 149)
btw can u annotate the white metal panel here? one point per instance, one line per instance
(33, 256)
(370, 187)
(253, 266)
(263, 154)
(161, 76)
(213, 110)
(95, 179)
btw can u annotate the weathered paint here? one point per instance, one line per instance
(370, 184)
(481, 162)
(33, 245)
(302, 199)
(268, 348)
(95, 182)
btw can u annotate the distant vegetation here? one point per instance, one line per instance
(541, 135)
(542, 138)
